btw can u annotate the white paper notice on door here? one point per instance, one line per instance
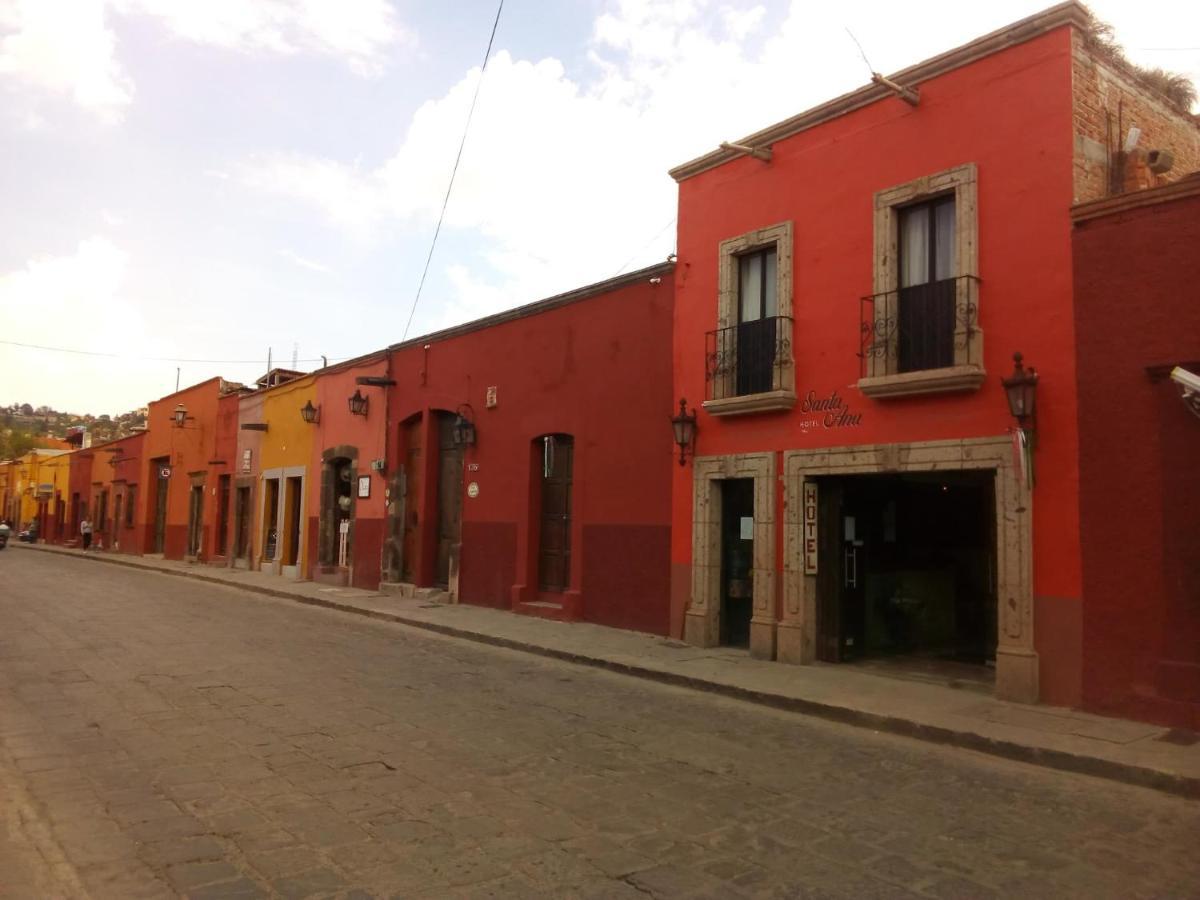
(747, 532)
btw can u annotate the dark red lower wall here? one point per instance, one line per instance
(1136, 272)
(627, 576)
(487, 568)
(368, 550)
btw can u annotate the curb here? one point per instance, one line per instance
(1061, 760)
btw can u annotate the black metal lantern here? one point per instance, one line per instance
(310, 413)
(358, 404)
(1021, 388)
(179, 415)
(684, 425)
(464, 428)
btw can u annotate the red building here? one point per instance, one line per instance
(348, 495)
(857, 494)
(127, 460)
(187, 458)
(1136, 267)
(530, 456)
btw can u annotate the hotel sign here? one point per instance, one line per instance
(809, 531)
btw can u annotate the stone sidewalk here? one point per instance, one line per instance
(1131, 752)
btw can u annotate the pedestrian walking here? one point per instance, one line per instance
(85, 531)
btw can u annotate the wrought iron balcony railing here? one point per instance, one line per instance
(927, 326)
(748, 358)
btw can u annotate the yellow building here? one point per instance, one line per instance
(33, 480)
(283, 540)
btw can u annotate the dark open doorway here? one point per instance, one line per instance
(737, 560)
(908, 570)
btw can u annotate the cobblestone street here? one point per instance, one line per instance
(160, 737)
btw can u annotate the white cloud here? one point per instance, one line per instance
(305, 263)
(80, 305)
(66, 48)
(357, 31)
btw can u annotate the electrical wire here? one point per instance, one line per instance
(643, 248)
(169, 359)
(454, 171)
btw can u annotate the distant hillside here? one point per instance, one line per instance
(24, 426)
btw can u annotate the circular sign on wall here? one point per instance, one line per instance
(164, 472)
(473, 489)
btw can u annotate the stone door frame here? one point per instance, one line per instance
(1016, 658)
(702, 621)
(275, 566)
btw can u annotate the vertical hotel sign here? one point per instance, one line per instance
(810, 528)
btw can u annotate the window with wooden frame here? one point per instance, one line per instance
(920, 329)
(748, 357)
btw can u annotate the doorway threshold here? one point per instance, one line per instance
(931, 670)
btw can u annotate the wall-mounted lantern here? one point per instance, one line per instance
(358, 404)
(464, 428)
(179, 416)
(684, 426)
(1021, 388)
(309, 413)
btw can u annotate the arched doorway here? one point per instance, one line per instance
(339, 469)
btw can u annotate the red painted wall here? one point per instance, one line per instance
(80, 483)
(598, 369)
(189, 449)
(1135, 276)
(1011, 115)
(129, 478)
(366, 433)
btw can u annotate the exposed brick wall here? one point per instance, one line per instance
(1101, 91)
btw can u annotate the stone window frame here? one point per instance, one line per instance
(881, 378)
(1016, 653)
(783, 391)
(702, 619)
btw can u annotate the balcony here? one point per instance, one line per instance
(921, 339)
(748, 367)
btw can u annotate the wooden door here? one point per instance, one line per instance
(241, 546)
(160, 505)
(450, 476)
(413, 463)
(554, 536)
(195, 519)
(114, 537)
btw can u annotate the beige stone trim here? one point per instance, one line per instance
(1070, 13)
(702, 621)
(882, 374)
(929, 381)
(1016, 658)
(751, 403)
(783, 381)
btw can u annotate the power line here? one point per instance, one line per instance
(454, 171)
(643, 248)
(169, 359)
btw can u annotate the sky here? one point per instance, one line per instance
(215, 180)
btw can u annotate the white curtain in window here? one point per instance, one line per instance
(749, 290)
(943, 250)
(914, 246)
(770, 301)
